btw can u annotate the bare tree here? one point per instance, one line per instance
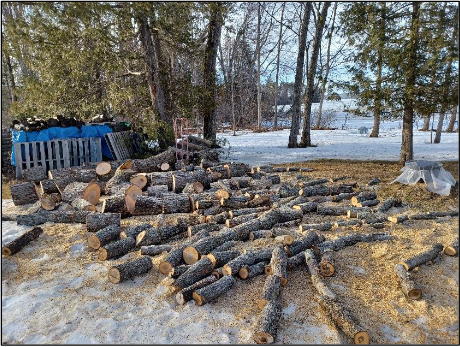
(278, 53)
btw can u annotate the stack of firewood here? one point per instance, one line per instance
(221, 209)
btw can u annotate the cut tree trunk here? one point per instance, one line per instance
(131, 269)
(221, 258)
(245, 211)
(83, 205)
(398, 219)
(24, 193)
(104, 171)
(267, 326)
(408, 286)
(155, 250)
(219, 218)
(422, 258)
(115, 204)
(186, 294)
(131, 193)
(176, 203)
(350, 240)
(213, 290)
(347, 223)
(155, 236)
(50, 201)
(240, 219)
(146, 205)
(62, 177)
(363, 196)
(17, 244)
(306, 207)
(158, 190)
(368, 203)
(285, 240)
(326, 265)
(433, 215)
(250, 271)
(116, 249)
(139, 180)
(133, 231)
(193, 229)
(34, 174)
(179, 270)
(48, 187)
(259, 234)
(278, 265)
(248, 258)
(302, 244)
(57, 216)
(196, 272)
(103, 236)
(180, 179)
(389, 203)
(452, 249)
(88, 191)
(225, 246)
(201, 142)
(98, 221)
(270, 291)
(320, 226)
(313, 269)
(202, 247)
(154, 163)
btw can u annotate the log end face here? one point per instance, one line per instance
(190, 255)
(243, 273)
(199, 300)
(226, 270)
(93, 241)
(326, 269)
(268, 270)
(263, 338)
(451, 251)
(362, 338)
(6, 251)
(114, 275)
(102, 254)
(165, 268)
(414, 294)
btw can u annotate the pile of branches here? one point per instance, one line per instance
(220, 209)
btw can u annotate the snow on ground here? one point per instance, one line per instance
(344, 143)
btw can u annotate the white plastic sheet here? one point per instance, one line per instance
(437, 179)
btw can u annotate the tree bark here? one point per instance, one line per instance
(453, 118)
(278, 54)
(306, 139)
(407, 145)
(17, 244)
(295, 109)
(131, 269)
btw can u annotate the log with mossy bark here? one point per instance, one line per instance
(423, 257)
(130, 269)
(186, 294)
(406, 284)
(325, 190)
(116, 249)
(103, 236)
(24, 193)
(278, 264)
(20, 242)
(97, 221)
(175, 256)
(285, 190)
(248, 258)
(56, 216)
(146, 205)
(34, 174)
(452, 249)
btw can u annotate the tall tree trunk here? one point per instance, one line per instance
(326, 74)
(259, 92)
(209, 75)
(278, 54)
(453, 117)
(426, 122)
(295, 109)
(306, 139)
(447, 80)
(378, 82)
(407, 146)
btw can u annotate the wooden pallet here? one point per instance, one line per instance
(121, 144)
(57, 154)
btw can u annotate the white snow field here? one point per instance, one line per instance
(344, 143)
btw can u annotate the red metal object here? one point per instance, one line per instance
(181, 133)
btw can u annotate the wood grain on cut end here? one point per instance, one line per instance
(92, 193)
(362, 338)
(93, 241)
(165, 167)
(139, 180)
(190, 255)
(103, 168)
(198, 299)
(102, 254)
(6, 251)
(114, 275)
(165, 268)
(326, 269)
(263, 338)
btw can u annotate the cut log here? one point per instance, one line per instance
(204, 163)
(234, 202)
(240, 219)
(225, 246)
(452, 249)
(248, 258)
(131, 269)
(192, 254)
(343, 319)
(259, 234)
(363, 196)
(186, 294)
(116, 249)
(316, 279)
(306, 207)
(397, 219)
(221, 258)
(62, 177)
(259, 201)
(332, 211)
(326, 265)
(176, 203)
(154, 236)
(180, 179)
(285, 240)
(433, 215)
(295, 261)
(158, 190)
(103, 236)
(343, 196)
(267, 326)
(315, 182)
(121, 176)
(250, 271)
(351, 240)
(48, 187)
(358, 212)
(160, 178)
(389, 203)
(245, 211)
(201, 142)
(286, 190)
(278, 265)
(154, 163)
(368, 203)
(155, 250)
(51, 201)
(146, 205)
(104, 171)
(115, 204)
(193, 229)
(131, 193)
(178, 271)
(213, 290)
(175, 256)
(406, 284)
(270, 291)
(57, 216)
(88, 191)
(320, 226)
(424, 257)
(302, 244)
(219, 218)
(98, 221)
(193, 187)
(196, 272)
(24, 193)
(347, 223)
(237, 169)
(34, 174)
(17, 244)
(140, 180)
(82, 205)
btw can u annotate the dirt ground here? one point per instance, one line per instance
(364, 281)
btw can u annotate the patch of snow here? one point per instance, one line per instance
(390, 334)
(357, 270)
(289, 310)
(10, 231)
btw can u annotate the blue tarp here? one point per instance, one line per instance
(62, 133)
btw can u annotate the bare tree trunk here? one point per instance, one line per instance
(306, 139)
(210, 55)
(437, 138)
(326, 74)
(452, 120)
(407, 146)
(259, 96)
(295, 109)
(378, 82)
(426, 123)
(278, 53)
